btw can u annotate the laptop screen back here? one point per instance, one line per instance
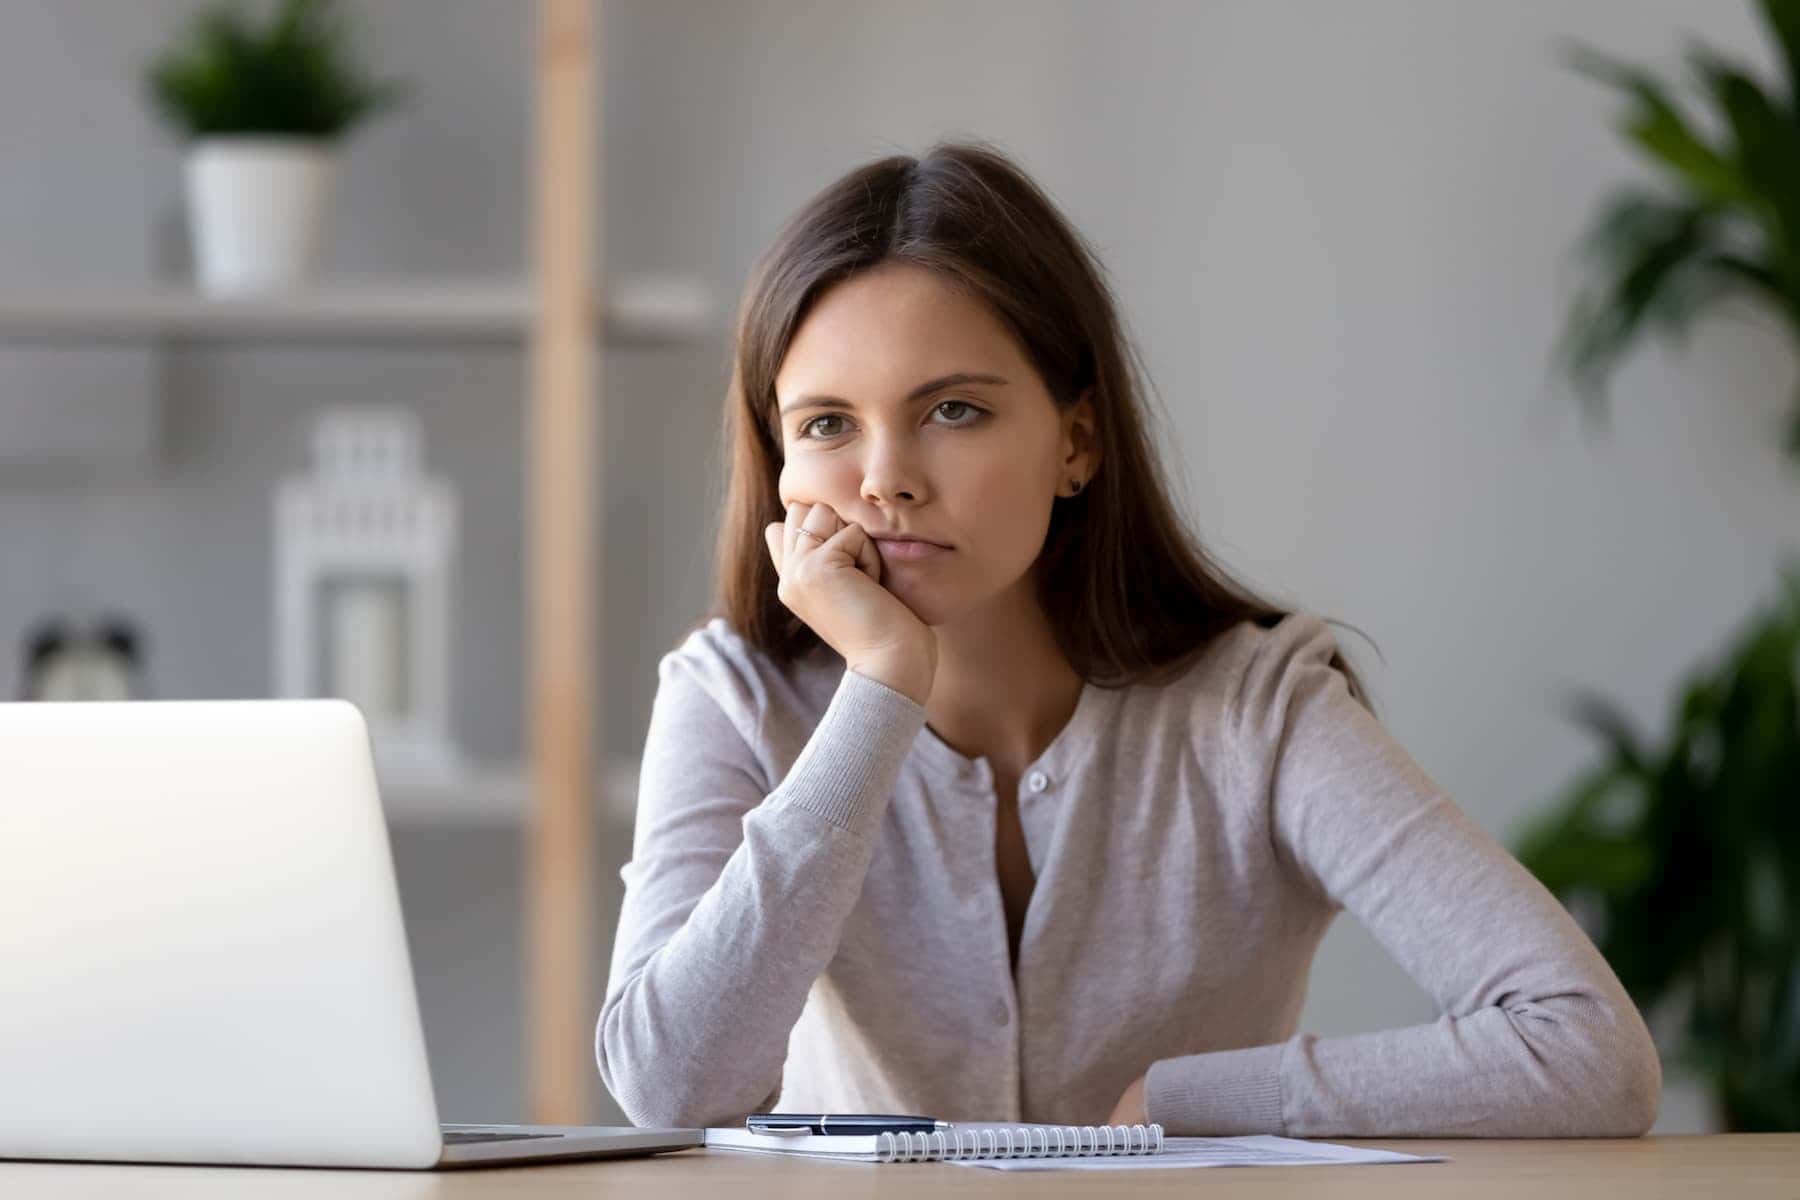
(203, 947)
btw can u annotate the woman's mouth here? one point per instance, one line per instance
(909, 551)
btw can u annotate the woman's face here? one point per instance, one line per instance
(907, 407)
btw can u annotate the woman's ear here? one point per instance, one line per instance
(1081, 445)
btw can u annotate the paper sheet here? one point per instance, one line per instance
(1262, 1150)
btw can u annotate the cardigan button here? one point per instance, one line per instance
(1002, 1014)
(1037, 781)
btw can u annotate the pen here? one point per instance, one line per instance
(841, 1123)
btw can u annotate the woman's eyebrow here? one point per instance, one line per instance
(924, 389)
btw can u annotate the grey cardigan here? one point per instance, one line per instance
(812, 919)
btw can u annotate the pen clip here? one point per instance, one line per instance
(779, 1130)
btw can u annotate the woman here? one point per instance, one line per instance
(1039, 817)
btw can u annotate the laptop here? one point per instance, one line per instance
(203, 948)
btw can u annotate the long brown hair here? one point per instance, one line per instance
(1129, 590)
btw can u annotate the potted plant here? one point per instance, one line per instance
(1686, 856)
(264, 111)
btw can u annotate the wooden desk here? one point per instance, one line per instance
(1718, 1167)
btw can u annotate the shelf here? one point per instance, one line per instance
(652, 310)
(497, 794)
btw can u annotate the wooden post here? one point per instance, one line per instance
(563, 610)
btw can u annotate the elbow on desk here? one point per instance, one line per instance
(644, 1100)
(652, 1087)
(654, 1110)
(664, 1103)
(1611, 1076)
(1637, 1096)
(1637, 1080)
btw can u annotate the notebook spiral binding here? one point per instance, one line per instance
(1032, 1141)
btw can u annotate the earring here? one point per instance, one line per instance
(1075, 484)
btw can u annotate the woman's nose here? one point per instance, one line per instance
(890, 472)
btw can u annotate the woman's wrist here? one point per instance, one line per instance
(910, 674)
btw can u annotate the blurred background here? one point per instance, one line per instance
(1342, 235)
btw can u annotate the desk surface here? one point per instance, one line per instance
(1719, 1166)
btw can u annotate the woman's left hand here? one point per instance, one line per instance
(1130, 1109)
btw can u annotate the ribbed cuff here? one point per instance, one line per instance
(1226, 1092)
(847, 769)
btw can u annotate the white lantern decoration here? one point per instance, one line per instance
(364, 546)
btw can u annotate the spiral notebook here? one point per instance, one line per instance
(962, 1141)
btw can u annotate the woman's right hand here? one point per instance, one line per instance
(835, 587)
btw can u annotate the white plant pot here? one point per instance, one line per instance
(258, 210)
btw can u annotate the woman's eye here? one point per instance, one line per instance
(965, 414)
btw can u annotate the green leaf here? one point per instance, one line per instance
(1611, 724)
(1648, 247)
(1756, 276)
(1766, 149)
(1655, 124)
(296, 76)
(1783, 19)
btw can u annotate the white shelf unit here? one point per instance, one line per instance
(651, 310)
